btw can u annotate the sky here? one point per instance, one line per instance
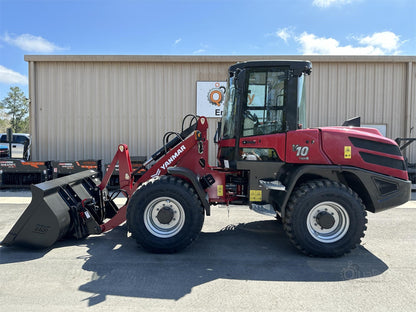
(199, 27)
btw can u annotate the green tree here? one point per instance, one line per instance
(4, 121)
(16, 106)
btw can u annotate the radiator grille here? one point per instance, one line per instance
(383, 161)
(376, 146)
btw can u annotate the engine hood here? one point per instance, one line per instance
(365, 148)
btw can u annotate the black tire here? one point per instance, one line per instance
(165, 215)
(325, 219)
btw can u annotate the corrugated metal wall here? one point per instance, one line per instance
(83, 106)
(410, 128)
(376, 92)
(84, 110)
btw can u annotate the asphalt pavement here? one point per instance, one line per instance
(242, 261)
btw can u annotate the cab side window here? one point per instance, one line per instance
(266, 98)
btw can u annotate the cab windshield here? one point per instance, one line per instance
(229, 112)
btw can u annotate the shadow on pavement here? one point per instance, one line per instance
(256, 251)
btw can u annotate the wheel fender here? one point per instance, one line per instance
(189, 175)
(371, 195)
(328, 172)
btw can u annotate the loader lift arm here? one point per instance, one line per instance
(164, 160)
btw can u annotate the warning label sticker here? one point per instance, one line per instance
(255, 195)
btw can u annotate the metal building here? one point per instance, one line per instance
(82, 107)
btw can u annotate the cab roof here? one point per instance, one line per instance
(298, 66)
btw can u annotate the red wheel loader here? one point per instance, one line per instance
(319, 181)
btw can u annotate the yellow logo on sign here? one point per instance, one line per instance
(347, 152)
(220, 190)
(255, 195)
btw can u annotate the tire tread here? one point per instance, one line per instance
(134, 214)
(298, 196)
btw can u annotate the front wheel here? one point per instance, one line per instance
(165, 215)
(325, 218)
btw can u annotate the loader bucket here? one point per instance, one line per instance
(48, 217)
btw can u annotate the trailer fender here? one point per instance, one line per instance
(193, 179)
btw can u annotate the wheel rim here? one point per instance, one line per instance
(328, 222)
(164, 217)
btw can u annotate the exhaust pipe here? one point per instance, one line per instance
(71, 206)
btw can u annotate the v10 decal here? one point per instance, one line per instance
(301, 151)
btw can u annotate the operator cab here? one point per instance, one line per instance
(263, 98)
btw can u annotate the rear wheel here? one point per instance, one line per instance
(325, 218)
(165, 215)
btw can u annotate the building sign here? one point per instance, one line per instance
(210, 98)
